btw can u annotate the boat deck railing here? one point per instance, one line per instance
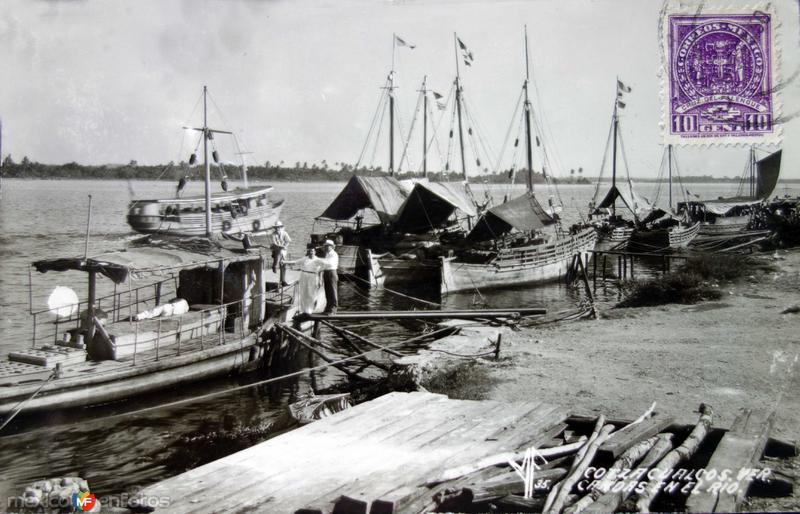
(117, 305)
(121, 307)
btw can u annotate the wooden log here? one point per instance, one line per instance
(344, 333)
(738, 453)
(683, 452)
(516, 503)
(625, 462)
(633, 434)
(512, 483)
(503, 458)
(565, 487)
(297, 337)
(610, 501)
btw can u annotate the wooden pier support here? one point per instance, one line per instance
(430, 314)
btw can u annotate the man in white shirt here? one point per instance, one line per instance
(280, 243)
(330, 277)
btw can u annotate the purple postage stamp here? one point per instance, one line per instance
(720, 78)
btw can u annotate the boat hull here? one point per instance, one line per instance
(724, 226)
(663, 239)
(525, 265)
(122, 380)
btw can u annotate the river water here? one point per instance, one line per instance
(117, 452)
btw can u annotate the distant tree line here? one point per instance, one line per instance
(279, 172)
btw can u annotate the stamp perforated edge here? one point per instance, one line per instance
(696, 7)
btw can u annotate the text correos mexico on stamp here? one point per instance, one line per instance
(719, 75)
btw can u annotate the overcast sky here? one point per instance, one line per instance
(110, 81)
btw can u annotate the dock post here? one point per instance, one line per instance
(605, 258)
(158, 337)
(158, 293)
(664, 265)
(180, 331)
(135, 340)
(316, 330)
(202, 328)
(34, 330)
(497, 347)
(594, 271)
(632, 258)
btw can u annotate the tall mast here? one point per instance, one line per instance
(528, 147)
(207, 134)
(614, 158)
(458, 108)
(424, 92)
(669, 164)
(206, 164)
(752, 171)
(391, 109)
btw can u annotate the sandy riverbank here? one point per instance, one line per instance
(733, 353)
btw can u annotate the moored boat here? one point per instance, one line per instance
(239, 211)
(242, 210)
(733, 216)
(202, 312)
(614, 229)
(518, 241)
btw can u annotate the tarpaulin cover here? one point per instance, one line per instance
(144, 261)
(430, 204)
(637, 204)
(523, 213)
(722, 206)
(384, 195)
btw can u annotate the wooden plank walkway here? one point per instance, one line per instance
(394, 443)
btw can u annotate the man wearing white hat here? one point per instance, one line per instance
(280, 243)
(330, 277)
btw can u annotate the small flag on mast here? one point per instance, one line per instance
(437, 95)
(621, 88)
(402, 42)
(468, 57)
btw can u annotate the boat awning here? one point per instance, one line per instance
(523, 213)
(384, 195)
(637, 204)
(722, 206)
(430, 204)
(139, 262)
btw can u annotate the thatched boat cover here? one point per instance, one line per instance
(523, 213)
(430, 204)
(146, 261)
(384, 195)
(636, 203)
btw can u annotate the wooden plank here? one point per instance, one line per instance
(533, 428)
(623, 439)
(359, 459)
(462, 417)
(461, 437)
(738, 451)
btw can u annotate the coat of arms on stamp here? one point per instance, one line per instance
(720, 77)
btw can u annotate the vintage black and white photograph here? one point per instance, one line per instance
(399, 256)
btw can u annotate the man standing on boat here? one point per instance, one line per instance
(280, 243)
(330, 277)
